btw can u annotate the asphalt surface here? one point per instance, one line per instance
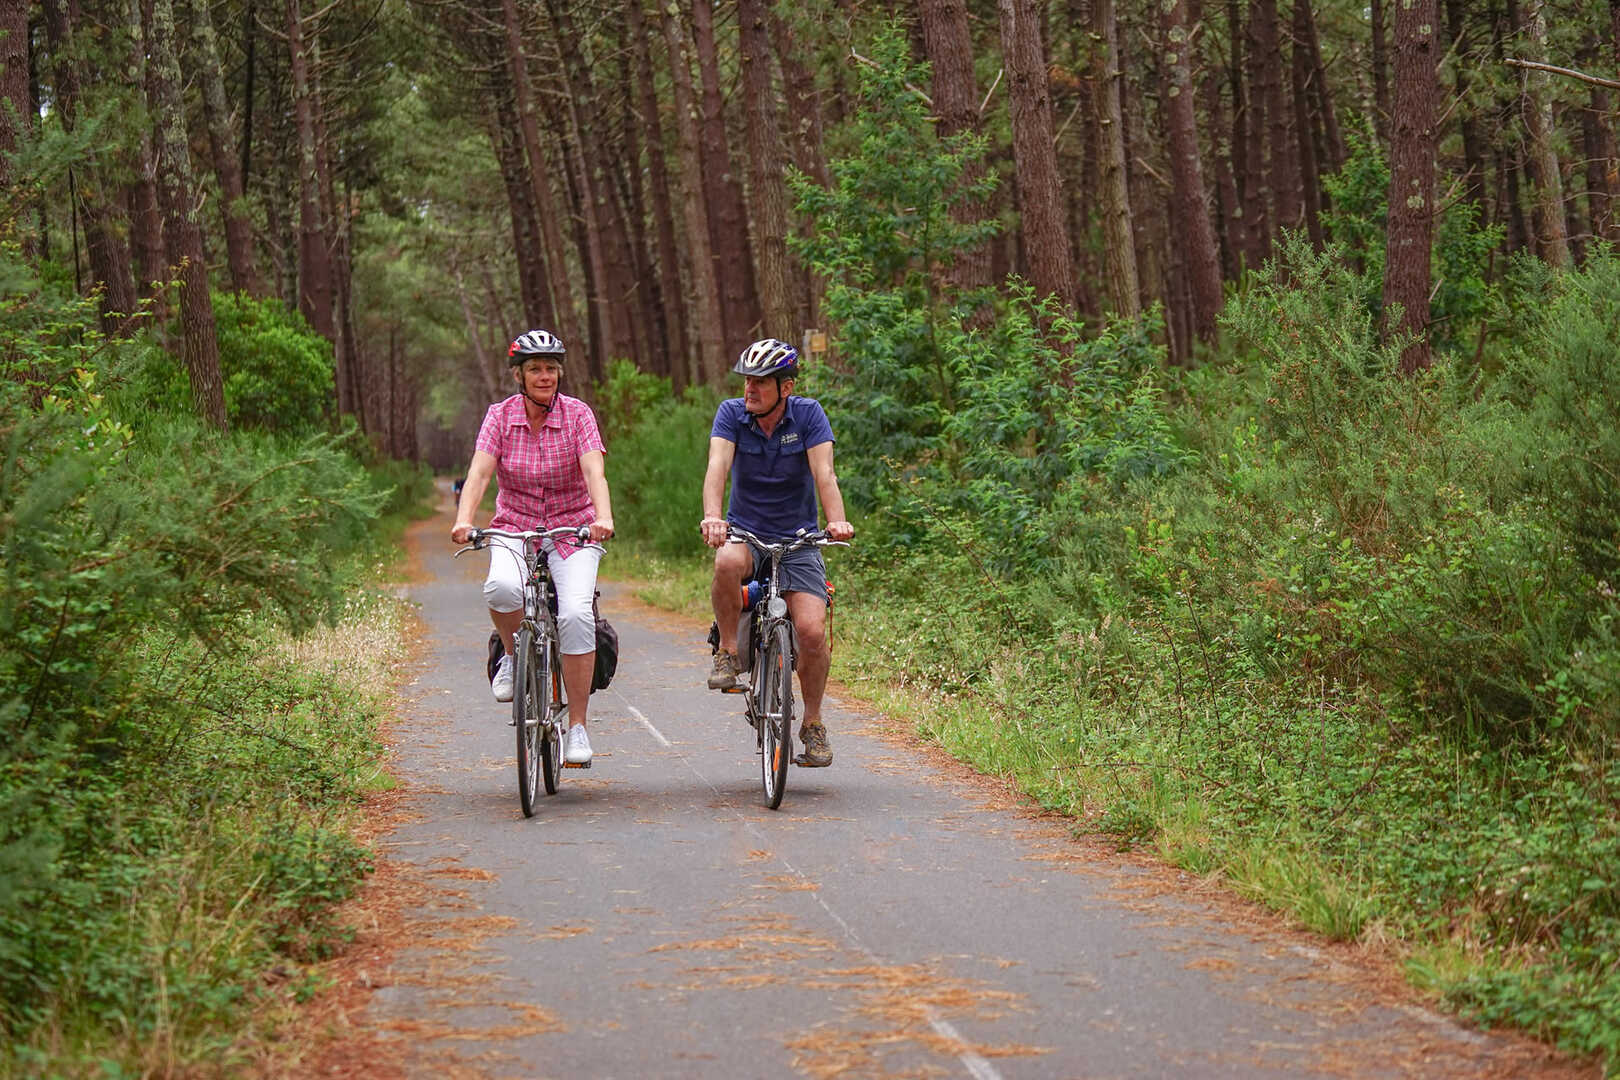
(895, 918)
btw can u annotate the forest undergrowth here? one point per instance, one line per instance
(194, 645)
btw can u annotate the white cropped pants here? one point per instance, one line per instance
(575, 579)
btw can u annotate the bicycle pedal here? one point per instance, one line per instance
(735, 690)
(576, 764)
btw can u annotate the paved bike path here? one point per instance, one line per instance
(894, 918)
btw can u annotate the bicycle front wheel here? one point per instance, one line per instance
(528, 717)
(549, 692)
(776, 714)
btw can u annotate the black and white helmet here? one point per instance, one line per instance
(768, 357)
(535, 343)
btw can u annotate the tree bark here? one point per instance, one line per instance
(1321, 89)
(1411, 179)
(314, 258)
(559, 311)
(505, 135)
(14, 96)
(1380, 70)
(1305, 140)
(709, 321)
(1601, 165)
(109, 258)
(602, 247)
(1119, 239)
(1547, 209)
(767, 187)
(728, 218)
(182, 233)
(1467, 121)
(1189, 197)
(806, 140)
(227, 171)
(1282, 170)
(948, 38)
(676, 350)
(145, 214)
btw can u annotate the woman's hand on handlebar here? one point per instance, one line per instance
(461, 532)
(601, 529)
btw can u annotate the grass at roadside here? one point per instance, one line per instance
(215, 898)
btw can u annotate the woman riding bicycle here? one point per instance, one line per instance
(547, 454)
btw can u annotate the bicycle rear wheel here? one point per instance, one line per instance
(528, 717)
(776, 714)
(549, 691)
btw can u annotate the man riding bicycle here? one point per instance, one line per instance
(547, 454)
(778, 452)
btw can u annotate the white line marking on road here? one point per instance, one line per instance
(659, 735)
(977, 1066)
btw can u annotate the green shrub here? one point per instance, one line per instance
(658, 449)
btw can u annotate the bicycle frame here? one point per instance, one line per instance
(773, 653)
(539, 705)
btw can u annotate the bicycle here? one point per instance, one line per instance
(770, 646)
(539, 701)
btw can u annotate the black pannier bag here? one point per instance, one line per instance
(607, 651)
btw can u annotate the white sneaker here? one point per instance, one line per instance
(501, 684)
(577, 748)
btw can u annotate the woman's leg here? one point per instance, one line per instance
(503, 588)
(575, 578)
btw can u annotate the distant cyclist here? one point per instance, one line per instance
(778, 452)
(546, 452)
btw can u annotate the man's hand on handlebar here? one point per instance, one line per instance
(840, 530)
(713, 530)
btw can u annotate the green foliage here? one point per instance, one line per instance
(150, 761)
(658, 447)
(1463, 245)
(278, 373)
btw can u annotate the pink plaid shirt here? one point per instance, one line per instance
(541, 483)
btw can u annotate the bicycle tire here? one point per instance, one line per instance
(549, 686)
(526, 719)
(776, 714)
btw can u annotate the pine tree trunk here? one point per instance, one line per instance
(1259, 51)
(1467, 121)
(1601, 165)
(528, 242)
(109, 258)
(1196, 236)
(948, 37)
(767, 188)
(558, 313)
(728, 217)
(677, 351)
(14, 96)
(1305, 140)
(1321, 90)
(1547, 209)
(712, 362)
(1282, 171)
(314, 258)
(1380, 70)
(1411, 179)
(146, 239)
(182, 233)
(607, 303)
(227, 169)
(805, 137)
(1119, 237)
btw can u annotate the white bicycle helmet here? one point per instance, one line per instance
(768, 357)
(535, 343)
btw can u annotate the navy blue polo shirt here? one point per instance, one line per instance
(773, 492)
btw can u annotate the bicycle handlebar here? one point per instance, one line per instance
(805, 538)
(580, 534)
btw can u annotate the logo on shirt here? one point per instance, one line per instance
(789, 437)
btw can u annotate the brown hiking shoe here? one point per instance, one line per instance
(817, 750)
(723, 676)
